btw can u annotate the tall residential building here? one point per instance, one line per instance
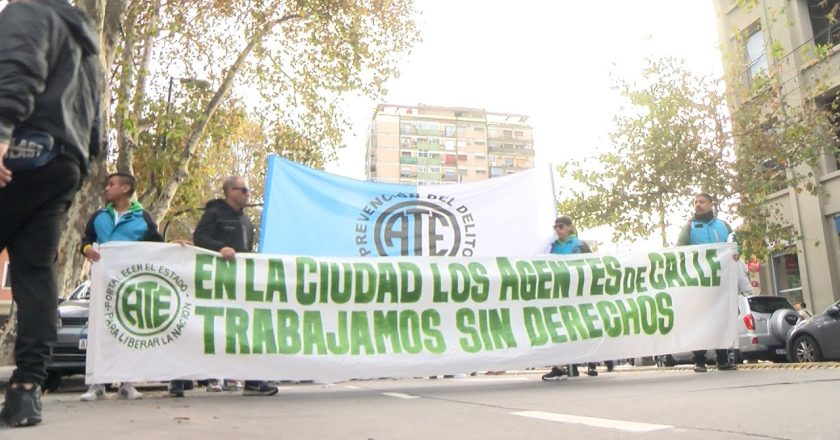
(781, 38)
(426, 144)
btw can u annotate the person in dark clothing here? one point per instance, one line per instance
(120, 220)
(226, 229)
(49, 129)
(704, 228)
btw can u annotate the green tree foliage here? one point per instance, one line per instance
(677, 136)
(200, 89)
(668, 141)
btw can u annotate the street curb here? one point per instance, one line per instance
(690, 367)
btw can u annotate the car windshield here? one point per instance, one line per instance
(768, 304)
(81, 293)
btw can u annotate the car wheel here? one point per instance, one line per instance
(805, 349)
(53, 381)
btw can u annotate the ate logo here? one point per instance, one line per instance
(415, 225)
(147, 304)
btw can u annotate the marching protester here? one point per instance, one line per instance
(567, 243)
(704, 228)
(226, 229)
(49, 128)
(120, 220)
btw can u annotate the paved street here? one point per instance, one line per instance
(648, 404)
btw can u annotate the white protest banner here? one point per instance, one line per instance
(163, 311)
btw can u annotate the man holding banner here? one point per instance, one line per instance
(226, 229)
(705, 228)
(120, 220)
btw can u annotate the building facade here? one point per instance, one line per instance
(796, 42)
(425, 145)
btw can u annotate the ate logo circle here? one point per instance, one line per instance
(417, 227)
(146, 304)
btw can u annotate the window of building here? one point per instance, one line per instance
(462, 157)
(422, 153)
(407, 128)
(480, 157)
(478, 128)
(405, 142)
(449, 145)
(449, 130)
(756, 54)
(405, 154)
(481, 171)
(462, 144)
(825, 21)
(518, 134)
(786, 276)
(434, 169)
(405, 172)
(479, 142)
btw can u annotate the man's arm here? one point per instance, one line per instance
(685, 235)
(203, 234)
(24, 63)
(24, 66)
(152, 233)
(89, 238)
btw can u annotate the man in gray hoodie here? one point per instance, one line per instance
(50, 84)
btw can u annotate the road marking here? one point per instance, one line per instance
(401, 395)
(352, 387)
(593, 421)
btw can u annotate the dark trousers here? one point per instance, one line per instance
(32, 210)
(722, 357)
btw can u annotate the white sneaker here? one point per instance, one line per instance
(127, 391)
(213, 386)
(94, 392)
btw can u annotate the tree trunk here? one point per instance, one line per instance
(161, 205)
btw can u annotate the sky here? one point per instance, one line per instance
(550, 60)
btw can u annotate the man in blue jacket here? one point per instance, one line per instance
(120, 220)
(705, 228)
(50, 127)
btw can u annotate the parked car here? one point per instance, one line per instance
(817, 338)
(764, 322)
(763, 325)
(68, 354)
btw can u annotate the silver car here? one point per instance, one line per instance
(764, 322)
(763, 325)
(816, 339)
(68, 353)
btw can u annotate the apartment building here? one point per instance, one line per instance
(425, 145)
(796, 42)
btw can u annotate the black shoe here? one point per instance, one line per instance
(700, 368)
(22, 407)
(555, 374)
(591, 372)
(176, 388)
(259, 389)
(727, 367)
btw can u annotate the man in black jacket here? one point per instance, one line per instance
(49, 128)
(226, 229)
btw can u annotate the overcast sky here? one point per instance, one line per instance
(551, 60)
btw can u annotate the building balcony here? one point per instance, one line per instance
(405, 159)
(435, 177)
(428, 146)
(529, 152)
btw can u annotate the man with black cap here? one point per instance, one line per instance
(49, 128)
